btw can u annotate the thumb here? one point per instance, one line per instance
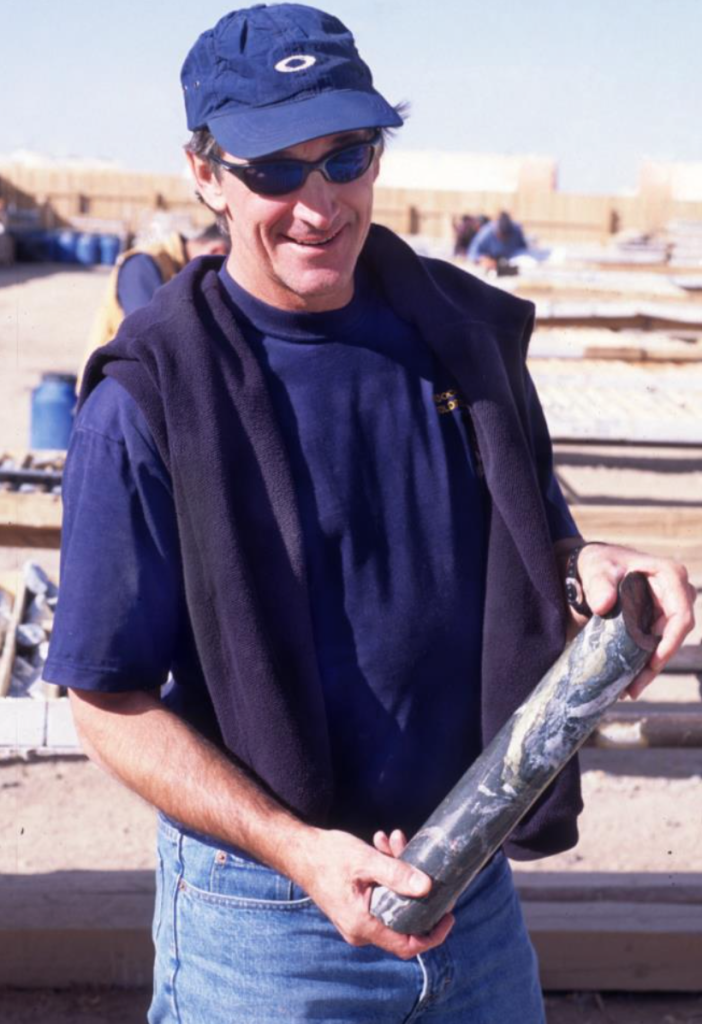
(400, 876)
(601, 591)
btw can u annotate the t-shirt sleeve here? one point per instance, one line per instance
(120, 594)
(137, 280)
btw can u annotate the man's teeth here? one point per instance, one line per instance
(315, 242)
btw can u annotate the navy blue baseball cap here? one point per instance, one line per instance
(269, 77)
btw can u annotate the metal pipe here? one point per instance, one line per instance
(498, 789)
(40, 477)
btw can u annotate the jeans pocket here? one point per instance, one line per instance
(215, 876)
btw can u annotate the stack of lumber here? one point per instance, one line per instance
(631, 929)
(30, 502)
(27, 603)
(622, 392)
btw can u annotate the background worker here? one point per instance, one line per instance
(465, 228)
(140, 271)
(315, 483)
(499, 240)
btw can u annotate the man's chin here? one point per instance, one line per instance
(320, 291)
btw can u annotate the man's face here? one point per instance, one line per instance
(297, 251)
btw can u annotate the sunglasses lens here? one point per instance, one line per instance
(278, 177)
(350, 163)
(273, 177)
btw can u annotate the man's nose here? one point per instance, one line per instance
(316, 201)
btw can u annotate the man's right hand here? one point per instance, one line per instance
(340, 873)
(169, 764)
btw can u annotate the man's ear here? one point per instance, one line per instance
(208, 184)
(376, 165)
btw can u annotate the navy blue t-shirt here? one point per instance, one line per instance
(391, 509)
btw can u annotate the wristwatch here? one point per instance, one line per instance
(575, 595)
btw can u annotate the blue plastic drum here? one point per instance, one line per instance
(110, 246)
(88, 249)
(65, 246)
(52, 411)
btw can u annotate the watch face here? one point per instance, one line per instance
(575, 596)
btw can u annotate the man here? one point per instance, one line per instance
(497, 242)
(140, 271)
(465, 228)
(315, 484)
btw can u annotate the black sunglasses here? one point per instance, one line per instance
(278, 177)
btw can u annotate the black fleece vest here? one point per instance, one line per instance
(186, 364)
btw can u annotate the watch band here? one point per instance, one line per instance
(575, 595)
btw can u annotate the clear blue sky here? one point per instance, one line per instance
(598, 84)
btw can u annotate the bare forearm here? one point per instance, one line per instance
(173, 767)
(169, 764)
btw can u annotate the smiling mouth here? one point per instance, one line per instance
(315, 243)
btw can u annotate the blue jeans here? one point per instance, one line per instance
(237, 943)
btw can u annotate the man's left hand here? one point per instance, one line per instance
(602, 566)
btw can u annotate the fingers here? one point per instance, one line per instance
(601, 575)
(392, 845)
(636, 688)
(675, 598)
(601, 569)
(417, 944)
(407, 946)
(342, 888)
(399, 876)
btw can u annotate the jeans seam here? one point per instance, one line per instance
(176, 953)
(423, 995)
(159, 909)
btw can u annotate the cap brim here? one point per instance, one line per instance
(257, 132)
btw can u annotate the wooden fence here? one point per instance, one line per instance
(58, 196)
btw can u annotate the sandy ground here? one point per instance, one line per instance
(643, 809)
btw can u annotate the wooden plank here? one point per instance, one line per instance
(12, 536)
(38, 511)
(682, 523)
(687, 660)
(629, 354)
(30, 520)
(591, 932)
(608, 886)
(617, 946)
(621, 730)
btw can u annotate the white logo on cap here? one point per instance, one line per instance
(298, 62)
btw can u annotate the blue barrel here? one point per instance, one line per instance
(88, 249)
(110, 246)
(65, 245)
(52, 411)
